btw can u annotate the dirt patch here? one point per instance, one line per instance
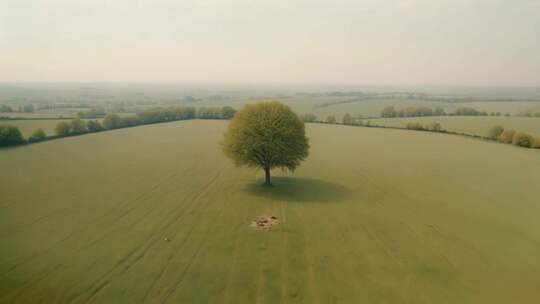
(263, 222)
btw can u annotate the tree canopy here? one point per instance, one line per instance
(10, 135)
(62, 128)
(266, 135)
(38, 135)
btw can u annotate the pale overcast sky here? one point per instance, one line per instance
(464, 42)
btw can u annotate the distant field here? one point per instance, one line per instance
(35, 115)
(470, 125)
(373, 108)
(374, 216)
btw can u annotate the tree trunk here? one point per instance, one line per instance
(267, 176)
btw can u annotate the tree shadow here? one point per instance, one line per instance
(302, 190)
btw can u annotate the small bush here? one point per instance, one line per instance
(38, 135)
(522, 139)
(507, 136)
(495, 132)
(415, 126)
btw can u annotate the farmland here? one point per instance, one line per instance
(471, 125)
(157, 214)
(373, 107)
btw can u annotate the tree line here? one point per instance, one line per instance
(28, 108)
(11, 135)
(391, 112)
(511, 136)
(92, 113)
(529, 114)
(497, 133)
(150, 116)
(419, 111)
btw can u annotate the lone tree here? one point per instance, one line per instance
(266, 135)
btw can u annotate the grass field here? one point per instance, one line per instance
(471, 125)
(373, 108)
(373, 216)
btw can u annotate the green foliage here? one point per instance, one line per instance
(129, 121)
(77, 126)
(10, 135)
(389, 111)
(209, 113)
(163, 115)
(418, 111)
(331, 119)
(227, 112)
(266, 135)
(38, 135)
(495, 132)
(467, 111)
(348, 120)
(94, 126)
(309, 117)
(507, 136)
(112, 121)
(523, 140)
(29, 108)
(63, 128)
(93, 113)
(415, 126)
(434, 126)
(5, 109)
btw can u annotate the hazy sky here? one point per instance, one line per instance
(470, 42)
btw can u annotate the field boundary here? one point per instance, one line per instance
(442, 131)
(473, 136)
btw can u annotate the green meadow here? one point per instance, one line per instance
(373, 107)
(476, 125)
(157, 214)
